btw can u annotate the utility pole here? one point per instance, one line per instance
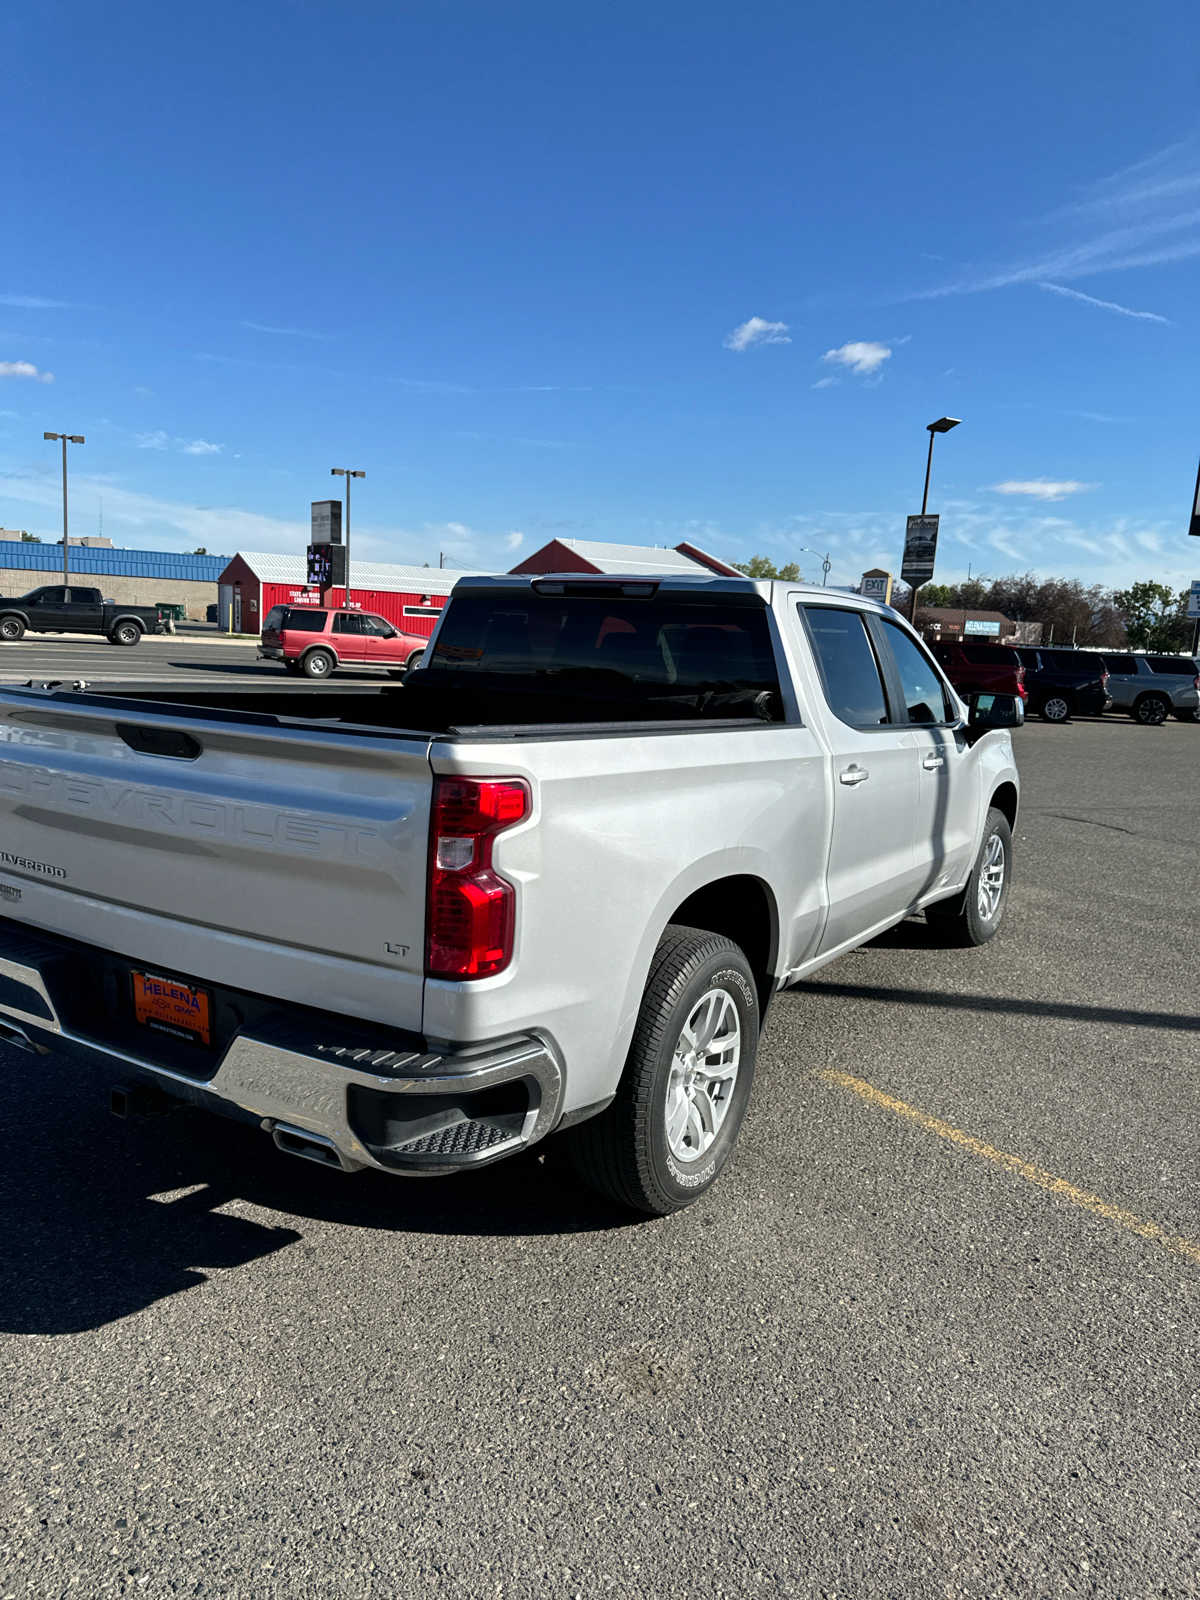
(942, 425)
(67, 438)
(347, 473)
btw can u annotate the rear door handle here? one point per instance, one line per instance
(853, 775)
(931, 763)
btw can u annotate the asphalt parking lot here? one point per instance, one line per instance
(934, 1334)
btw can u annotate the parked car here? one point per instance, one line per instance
(1151, 688)
(316, 642)
(1064, 683)
(58, 609)
(973, 667)
(552, 886)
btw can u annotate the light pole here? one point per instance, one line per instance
(942, 425)
(67, 438)
(826, 563)
(347, 473)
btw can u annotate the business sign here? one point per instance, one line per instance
(326, 522)
(973, 625)
(920, 548)
(1193, 609)
(327, 565)
(877, 586)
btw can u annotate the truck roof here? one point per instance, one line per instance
(670, 583)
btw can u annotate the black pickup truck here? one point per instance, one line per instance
(58, 609)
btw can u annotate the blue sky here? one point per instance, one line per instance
(620, 272)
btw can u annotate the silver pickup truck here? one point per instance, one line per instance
(547, 886)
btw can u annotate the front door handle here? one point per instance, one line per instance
(853, 775)
(931, 763)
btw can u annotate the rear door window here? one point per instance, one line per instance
(925, 697)
(850, 674)
(990, 655)
(1120, 664)
(305, 621)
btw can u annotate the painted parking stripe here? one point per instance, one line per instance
(1019, 1168)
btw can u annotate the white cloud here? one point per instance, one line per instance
(862, 356)
(1103, 305)
(33, 302)
(291, 333)
(201, 447)
(1042, 488)
(756, 331)
(513, 541)
(156, 440)
(824, 383)
(24, 369)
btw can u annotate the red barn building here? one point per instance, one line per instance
(254, 581)
(588, 555)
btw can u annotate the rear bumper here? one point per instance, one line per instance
(392, 1104)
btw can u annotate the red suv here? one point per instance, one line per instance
(316, 642)
(974, 668)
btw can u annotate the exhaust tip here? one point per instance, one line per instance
(311, 1147)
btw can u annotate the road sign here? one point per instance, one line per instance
(877, 585)
(1193, 609)
(920, 548)
(975, 625)
(326, 522)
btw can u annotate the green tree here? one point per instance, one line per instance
(938, 594)
(761, 567)
(1155, 616)
(30, 538)
(200, 550)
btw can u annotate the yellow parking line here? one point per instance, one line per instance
(1014, 1164)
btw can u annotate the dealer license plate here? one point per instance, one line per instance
(171, 1006)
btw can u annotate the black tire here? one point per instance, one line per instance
(959, 920)
(318, 664)
(624, 1153)
(414, 660)
(12, 629)
(1055, 708)
(126, 633)
(1151, 710)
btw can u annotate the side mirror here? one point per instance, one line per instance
(987, 711)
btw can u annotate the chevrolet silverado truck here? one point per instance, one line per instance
(547, 886)
(57, 609)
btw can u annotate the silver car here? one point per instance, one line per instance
(1151, 688)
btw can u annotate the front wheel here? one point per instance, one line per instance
(126, 633)
(414, 660)
(12, 629)
(318, 664)
(974, 916)
(1151, 710)
(1056, 709)
(683, 1094)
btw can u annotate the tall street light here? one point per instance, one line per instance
(347, 473)
(942, 425)
(826, 563)
(67, 438)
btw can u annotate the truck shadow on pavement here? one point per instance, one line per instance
(101, 1218)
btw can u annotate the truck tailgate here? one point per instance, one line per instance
(285, 860)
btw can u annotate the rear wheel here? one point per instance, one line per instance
(1151, 710)
(1056, 709)
(974, 916)
(126, 633)
(11, 629)
(683, 1094)
(318, 664)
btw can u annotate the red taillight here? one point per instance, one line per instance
(472, 909)
(1021, 689)
(1104, 679)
